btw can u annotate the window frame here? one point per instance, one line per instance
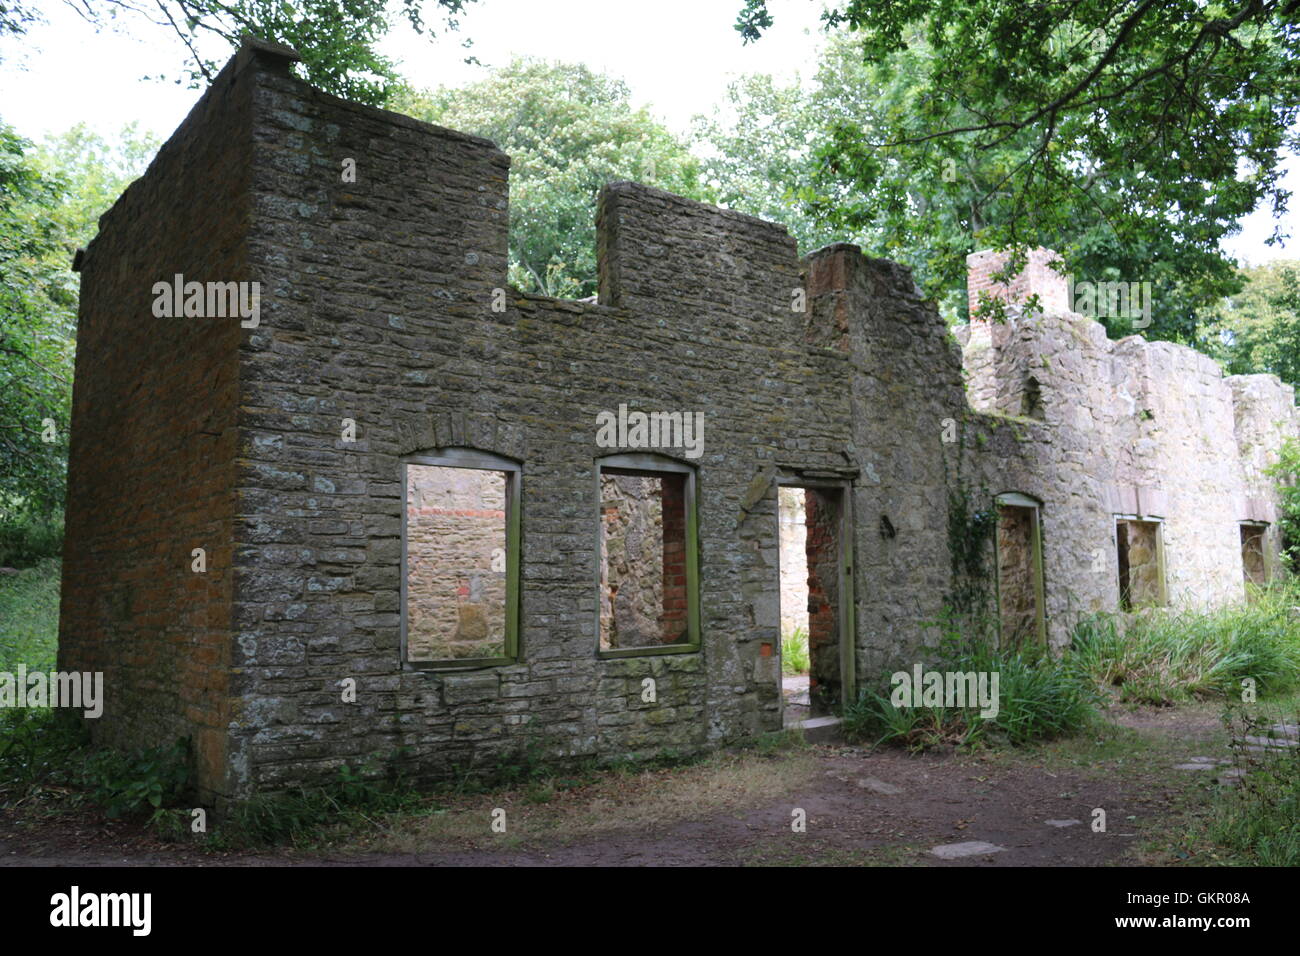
(1161, 570)
(648, 465)
(473, 460)
(1265, 553)
(1016, 499)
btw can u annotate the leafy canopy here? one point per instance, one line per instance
(50, 200)
(1130, 136)
(336, 38)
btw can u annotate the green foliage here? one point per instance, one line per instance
(1259, 819)
(26, 539)
(29, 618)
(1285, 473)
(37, 300)
(338, 41)
(38, 748)
(1162, 657)
(1258, 329)
(970, 534)
(51, 198)
(1129, 138)
(298, 815)
(1037, 700)
(568, 131)
(143, 781)
(50, 749)
(795, 658)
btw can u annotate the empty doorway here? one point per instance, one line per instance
(816, 580)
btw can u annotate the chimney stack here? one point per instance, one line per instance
(1037, 277)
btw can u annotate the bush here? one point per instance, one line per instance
(29, 617)
(1161, 657)
(1259, 820)
(1037, 700)
(42, 749)
(25, 541)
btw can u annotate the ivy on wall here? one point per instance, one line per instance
(970, 533)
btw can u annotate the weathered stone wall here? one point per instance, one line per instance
(794, 561)
(151, 473)
(1151, 430)
(381, 311)
(632, 562)
(1016, 569)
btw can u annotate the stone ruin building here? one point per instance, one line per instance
(379, 522)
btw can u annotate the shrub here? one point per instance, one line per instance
(1161, 657)
(1037, 699)
(29, 617)
(51, 749)
(25, 540)
(1259, 819)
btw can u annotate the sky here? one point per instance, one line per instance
(677, 57)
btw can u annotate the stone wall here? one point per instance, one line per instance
(1146, 430)
(152, 463)
(1017, 573)
(632, 562)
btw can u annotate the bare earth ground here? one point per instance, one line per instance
(738, 809)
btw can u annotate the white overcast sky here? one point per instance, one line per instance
(676, 55)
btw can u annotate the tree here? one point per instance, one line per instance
(336, 38)
(1258, 329)
(568, 131)
(50, 200)
(1112, 131)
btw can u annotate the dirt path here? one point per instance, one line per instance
(861, 808)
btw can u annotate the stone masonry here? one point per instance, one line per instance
(384, 303)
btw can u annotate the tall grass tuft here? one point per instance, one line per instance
(795, 658)
(1163, 657)
(1037, 700)
(29, 617)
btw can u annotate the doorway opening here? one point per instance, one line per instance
(816, 602)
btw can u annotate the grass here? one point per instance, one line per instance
(1163, 657)
(1258, 821)
(29, 617)
(795, 658)
(1037, 700)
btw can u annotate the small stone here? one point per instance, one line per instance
(879, 786)
(955, 851)
(1063, 823)
(1276, 743)
(1193, 766)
